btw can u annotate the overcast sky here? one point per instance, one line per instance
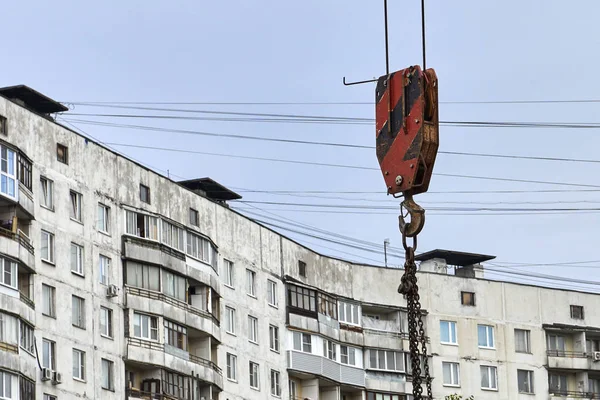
(298, 51)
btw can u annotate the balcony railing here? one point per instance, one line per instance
(568, 354)
(138, 394)
(27, 300)
(149, 294)
(19, 237)
(579, 395)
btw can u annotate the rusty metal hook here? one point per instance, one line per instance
(357, 82)
(417, 217)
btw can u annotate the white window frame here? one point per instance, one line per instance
(110, 367)
(78, 319)
(253, 329)
(274, 338)
(51, 345)
(47, 238)
(106, 322)
(6, 176)
(103, 224)
(275, 383)
(271, 293)
(379, 353)
(26, 337)
(47, 193)
(228, 273)
(79, 365)
(151, 225)
(454, 374)
(251, 282)
(329, 349)
(305, 342)
(230, 320)
(452, 332)
(77, 262)
(9, 269)
(530, 381)
(231, 367)
(173, 235)
(489, 336)
(347, 355)
(9, 328)
(254, 375)
(9, 390)
(104, 264)
(527, 334)
(492, 375)
(200, 248)
(145, 319)
(75, 205)
(343, 315)
(50, 301)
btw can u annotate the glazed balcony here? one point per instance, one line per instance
(324, 367)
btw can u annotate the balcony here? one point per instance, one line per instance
(558, 359)
(17, 245)
(10, 359)
(321, 366)
(13, 301)
(153, 252)
(560, 394)
(147, 352)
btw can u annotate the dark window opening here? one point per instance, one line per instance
(467, 298)
(144, 193)
(577, 312)
(302, 268)
(24, 171)
(62, 153)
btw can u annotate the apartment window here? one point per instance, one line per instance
(62, 153)
(78, 364)
(302, 342)
(202, 249)
(172, 235)
(144, 193)
(103, 218)
(108, 374)
(231, 367)
(228, 273)
(48, 354)
(252, 329)
(349, 313)
(142, 225)
(253, 373)
(522, 341)
(48, 301)
(329, 349)
(275, 383)
(77, 259)
(143, 276)
(293, 390)
(451, 374)
(576, 312)
(174, 384)
(303, 298)
(274, 338)
(302, 268)
(8, 172)
(271, 293)
(347, 355)
(525, 381)
(8, 329)
(489, 377)
(26, 389)
(174, 285)
(251, 282)
(78, 312)
(386, 360)
(145, 326)
(46, 193)
(104, 269)
(448, 332)
(175, 335)
(26, 340)
(8, 271)
(47, 246)
(49, 397)
(485, 336)
(328, 306)
(106, 324)
(230, 320)
(6, 386)
(557, 383)
(3, 129)
(75, 209)
(24, 171)
(556, 344)
(467, 298)
(194, 217)
(384, 396)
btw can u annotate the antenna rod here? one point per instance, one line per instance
(387, 56)
(422, 32)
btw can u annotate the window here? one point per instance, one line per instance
(347, 355)
(253, 373)
(467, 298)
(451, 372)
(26, 340)
(24, 171)
(252, 329)
(328, 305)
(46, 193)
(293, 390)
(383, 396)
(174, 384)
(174, 285)
(176, 335)
(557, 383)
(49, 397)
(62, 153)
(3, 130)
(78, 364)
(302, 342)
(75, 210)
(485, 336)
(78, 312)
(142, 225)
(194, 217)
(172, 235)
(303, 298)
(230, 320)
(104, 269)
(26, 389)
(349, 313)
(556, 345)
(145, 326)
(201, 248)
(271, 293)
(329, 349)
(525, 381)
(144, 193)
(577, 312)
(231, 367)
(47, 245)
(143, 276)
(489, 377)
(77, 259)
(275, 384)
(8, 172)
(48, 301)
(448, 332)
(48, 354)
(302, 268)
(386, 360)
(106, 322)
(8, 329)
(251, 282)
(8, 270)
(103, 218)
(228, 273)
(6, 384)
(274, 338)
(108, 374)
(522, 341)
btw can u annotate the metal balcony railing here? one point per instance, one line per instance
(567, 354)
(19, 237)
(27, 300)
(574, 394)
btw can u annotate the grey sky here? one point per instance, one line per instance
(298, 51)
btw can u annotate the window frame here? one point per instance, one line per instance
(305, 299)
(79, 264)
(230, 320)
(4, 377)
(7, 176)
(250, 282)
(150, 329)
(527, 334)
(78, 321)
(150, 229)
(489, 334)
(342, 315)
(111, 374)
(51, 354)
(558, 390)
(146, 189)
(274, 338)
(329, 349)
(471, 299)
(379, 361)
(79, 356)
(302, 268)
(576, 309)
(104, 268)
(450, 333)
(3, 125)
(327, 305)
(176, 332)
(48, 194)
(194, 217)
(108, 332)
(49, 397)
(52, 301)
(76, 206)
(303, 343)
(65, 156)
(231, 367)
(490, 369)
(252, 329)
(454, 373)
(27, 337)
(530, 381)
(275, 383)
(13, 273)
(103, 210)
(272, 293)
(50, 241)
(254, 369)
(229, 273)
(349, 354)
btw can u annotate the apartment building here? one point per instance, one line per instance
(119, 283)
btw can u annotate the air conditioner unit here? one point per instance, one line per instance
(57, 379)
(597, 356)
(46, 374)
(112, 291)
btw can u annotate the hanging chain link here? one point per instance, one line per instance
(416, 331)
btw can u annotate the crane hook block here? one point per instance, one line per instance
(407, 129)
